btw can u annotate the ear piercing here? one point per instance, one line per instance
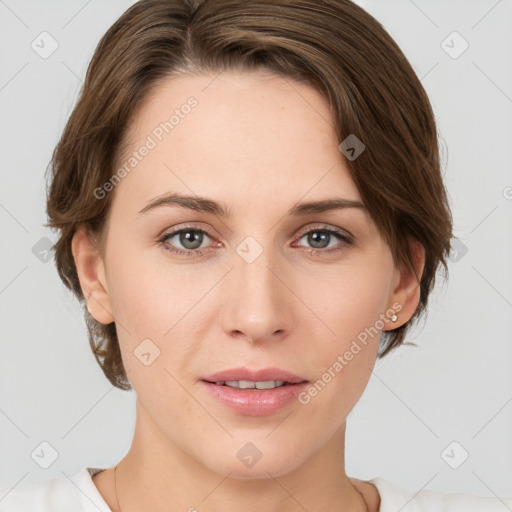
(394, 318)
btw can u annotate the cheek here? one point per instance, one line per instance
(349, 304)
(351, 297)
(148, 293)
(156, 300)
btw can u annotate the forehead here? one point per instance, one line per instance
(255, 134)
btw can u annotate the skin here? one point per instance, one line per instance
(260, 146)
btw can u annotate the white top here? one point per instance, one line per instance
(79, 494)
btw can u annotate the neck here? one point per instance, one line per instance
(158, 475)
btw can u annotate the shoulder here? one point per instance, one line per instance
(63, 494)
(393, 498)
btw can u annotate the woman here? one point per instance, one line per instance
(251, 209)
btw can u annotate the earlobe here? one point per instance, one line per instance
(406, 294)
(91, 274)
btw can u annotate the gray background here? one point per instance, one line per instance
(455, 388)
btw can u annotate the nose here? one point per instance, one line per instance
(259, 303)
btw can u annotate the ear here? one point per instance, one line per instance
(91, 274)
(406, 291)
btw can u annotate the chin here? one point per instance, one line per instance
(250, 463)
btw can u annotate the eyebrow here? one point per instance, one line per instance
(203, 204)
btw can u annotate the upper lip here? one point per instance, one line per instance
(265, 374)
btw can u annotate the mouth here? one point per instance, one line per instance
(254, 392)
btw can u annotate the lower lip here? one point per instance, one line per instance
(252, 402)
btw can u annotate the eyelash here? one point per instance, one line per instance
(345, 239)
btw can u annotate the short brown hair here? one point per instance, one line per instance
(332, 45)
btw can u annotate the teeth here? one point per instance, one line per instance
(247, 384)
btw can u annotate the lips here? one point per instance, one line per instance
(262, 400)
(265, 374)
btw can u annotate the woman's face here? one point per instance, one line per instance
(255, 288)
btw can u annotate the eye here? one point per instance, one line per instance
(189, 238)
(324, 240)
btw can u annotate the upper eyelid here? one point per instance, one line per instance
(301, 232)
(324, 227)
(307, 227)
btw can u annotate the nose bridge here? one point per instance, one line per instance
(258, 303)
